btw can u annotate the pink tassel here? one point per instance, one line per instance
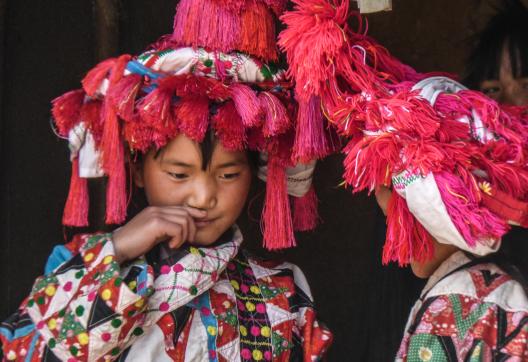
(276, 216)
(113, 160)
(76, 209)
(276, 120)
(66, 111)
(406, 240)
(192, 114)
(305, 215)
(247, 104)
(229, 128)
(206, 23)
(123, 95)
(311, 142)
(92, 81)
(462, 203)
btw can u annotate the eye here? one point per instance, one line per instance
(230, 176)
(491, 90)
(178, 176)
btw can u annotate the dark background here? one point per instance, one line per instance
(47, 46)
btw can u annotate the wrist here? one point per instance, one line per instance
(119, 255)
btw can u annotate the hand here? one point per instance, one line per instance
(174, 224)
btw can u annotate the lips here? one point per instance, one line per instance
(201, 223)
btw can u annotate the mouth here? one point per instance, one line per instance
(202, 223)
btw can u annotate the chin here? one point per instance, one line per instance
(206, 237)
(420, 270)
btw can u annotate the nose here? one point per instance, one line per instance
(204, 194)
(512, 95)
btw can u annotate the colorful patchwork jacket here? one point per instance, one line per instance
(199, 304)
(469, 311)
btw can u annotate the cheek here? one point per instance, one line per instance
(233, 196)
(161, 191)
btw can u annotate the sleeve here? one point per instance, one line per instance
(315, 337)
(486, 330)
(83, 301)
(87, 307)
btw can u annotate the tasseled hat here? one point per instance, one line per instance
(216, 71)
(455, 159)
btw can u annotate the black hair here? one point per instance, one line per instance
(509, 27)
(207, 147)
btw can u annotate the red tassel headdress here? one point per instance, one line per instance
(214, 72)
(410, 131)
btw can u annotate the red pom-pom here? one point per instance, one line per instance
(276, 120)
(66, 110)
(229, 128)
(276, 216)
(312, 39)
(76, 209)
(192, 114)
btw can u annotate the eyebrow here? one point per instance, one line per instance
(177, 163)
(230, 164)
(174, 162)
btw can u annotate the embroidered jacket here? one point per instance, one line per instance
(200, 304)
(473, 313)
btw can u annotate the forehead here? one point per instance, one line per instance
(185, 150)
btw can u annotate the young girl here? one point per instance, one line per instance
(173, 283)
(498, 65)
(456, 162)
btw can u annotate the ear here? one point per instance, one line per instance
(136, 167)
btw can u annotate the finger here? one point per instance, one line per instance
(176, 215)
(187, 222)
(170, 229)
(194, 212)
(192, 229)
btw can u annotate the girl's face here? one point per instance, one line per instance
(508, 89)
(176, 177)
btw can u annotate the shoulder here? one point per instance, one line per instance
(481, 304)
(486, 283)
(78, 244)
(447, 320)
(280, 271)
